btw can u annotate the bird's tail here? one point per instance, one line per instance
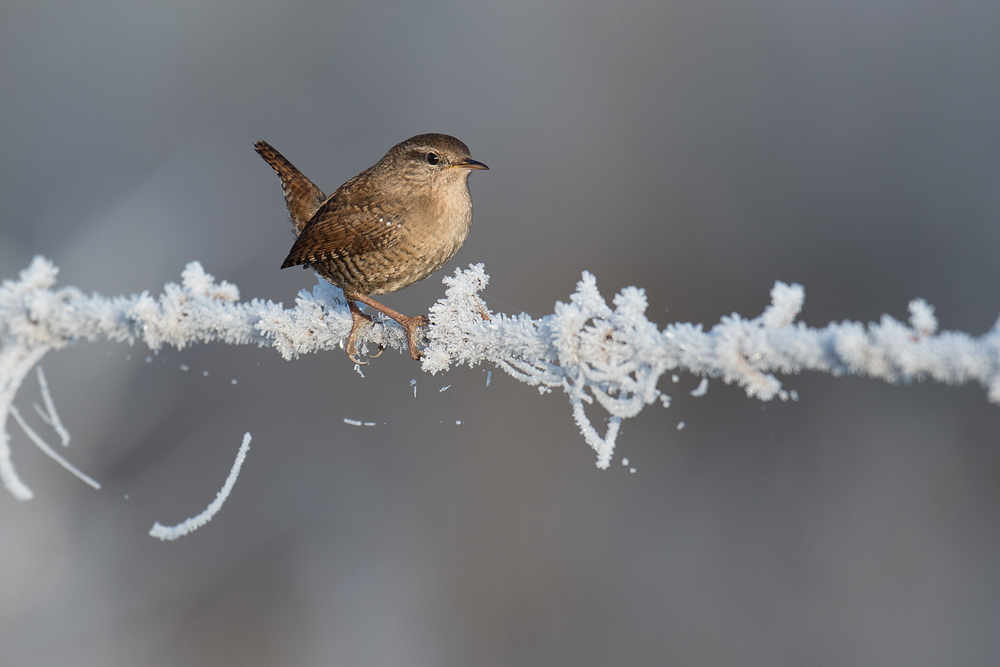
(302, 197)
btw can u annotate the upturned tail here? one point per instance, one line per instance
(302, 197)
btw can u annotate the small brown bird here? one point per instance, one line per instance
(393, 224)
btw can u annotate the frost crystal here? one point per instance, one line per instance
(602, 356)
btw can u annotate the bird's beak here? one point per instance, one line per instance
(469, 163)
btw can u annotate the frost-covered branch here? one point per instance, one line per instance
(592, 351)
(617, 356)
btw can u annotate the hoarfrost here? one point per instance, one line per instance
(701, 389)
(603, 357)
(162, 532)
(49, 415)
(51, 453)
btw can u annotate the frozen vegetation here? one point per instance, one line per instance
(610, 357)
(165, 533)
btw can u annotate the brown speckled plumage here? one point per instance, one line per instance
(393, 224)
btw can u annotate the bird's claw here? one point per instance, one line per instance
(358, 320)
(352, 349)
(410, 327)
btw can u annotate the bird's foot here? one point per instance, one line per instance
(410, 326)
(359, 320)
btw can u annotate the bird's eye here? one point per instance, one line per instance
(432, 158)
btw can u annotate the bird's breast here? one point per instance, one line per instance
(431, 233)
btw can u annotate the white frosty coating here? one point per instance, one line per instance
(701, 389)
(611, 355)
(616, 356)
(922, 317)
(352, 422)
(51, 453)
(162, 532)
(50, 416)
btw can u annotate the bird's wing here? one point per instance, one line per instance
(302, 197)
(339, 230)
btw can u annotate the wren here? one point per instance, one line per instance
(393, 224)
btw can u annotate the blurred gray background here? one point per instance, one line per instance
(699, 149)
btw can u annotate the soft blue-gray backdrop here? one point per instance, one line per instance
(700, 149)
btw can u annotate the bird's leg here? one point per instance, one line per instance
(358, 319)
(409, 324)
